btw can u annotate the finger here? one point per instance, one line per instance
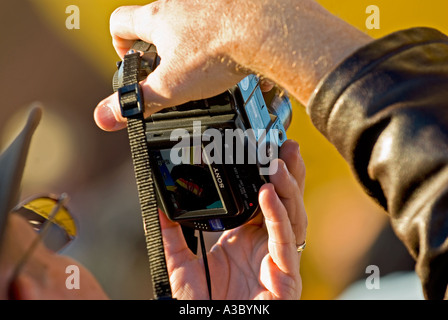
(266, 85)
(285, 183)
(166, 87)
(129, 23)
(290, 154)
(289, 194)
(281, 244)
(174, 243)
(158, 93)
(107, 114)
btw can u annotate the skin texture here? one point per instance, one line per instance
(292, 43)
(43, 275)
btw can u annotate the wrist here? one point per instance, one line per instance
(293, 43)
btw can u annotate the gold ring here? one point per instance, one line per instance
(301, 247)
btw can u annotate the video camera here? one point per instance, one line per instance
(210, 157)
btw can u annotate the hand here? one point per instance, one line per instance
(192, 66)
(258, 260)
(205, 46)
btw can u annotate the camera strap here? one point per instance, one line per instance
(132, 107)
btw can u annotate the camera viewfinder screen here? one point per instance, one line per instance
(190, 186)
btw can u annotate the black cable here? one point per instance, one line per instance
(204, 258)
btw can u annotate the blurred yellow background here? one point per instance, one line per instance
(343, 222)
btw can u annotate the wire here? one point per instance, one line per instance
(204, 258)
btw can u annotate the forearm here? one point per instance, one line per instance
(293, 43)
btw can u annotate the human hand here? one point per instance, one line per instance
(258, 260)
(208, 46)
(193, 65)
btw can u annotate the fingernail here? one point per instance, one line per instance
(105, 118)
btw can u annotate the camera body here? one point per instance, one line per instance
(210, 157)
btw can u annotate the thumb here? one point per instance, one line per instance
(158, 93)
(176, 248)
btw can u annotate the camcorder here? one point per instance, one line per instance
(210, 157)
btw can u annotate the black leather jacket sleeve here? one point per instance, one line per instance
(385, 108)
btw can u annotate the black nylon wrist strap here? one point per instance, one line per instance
(132, 106)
